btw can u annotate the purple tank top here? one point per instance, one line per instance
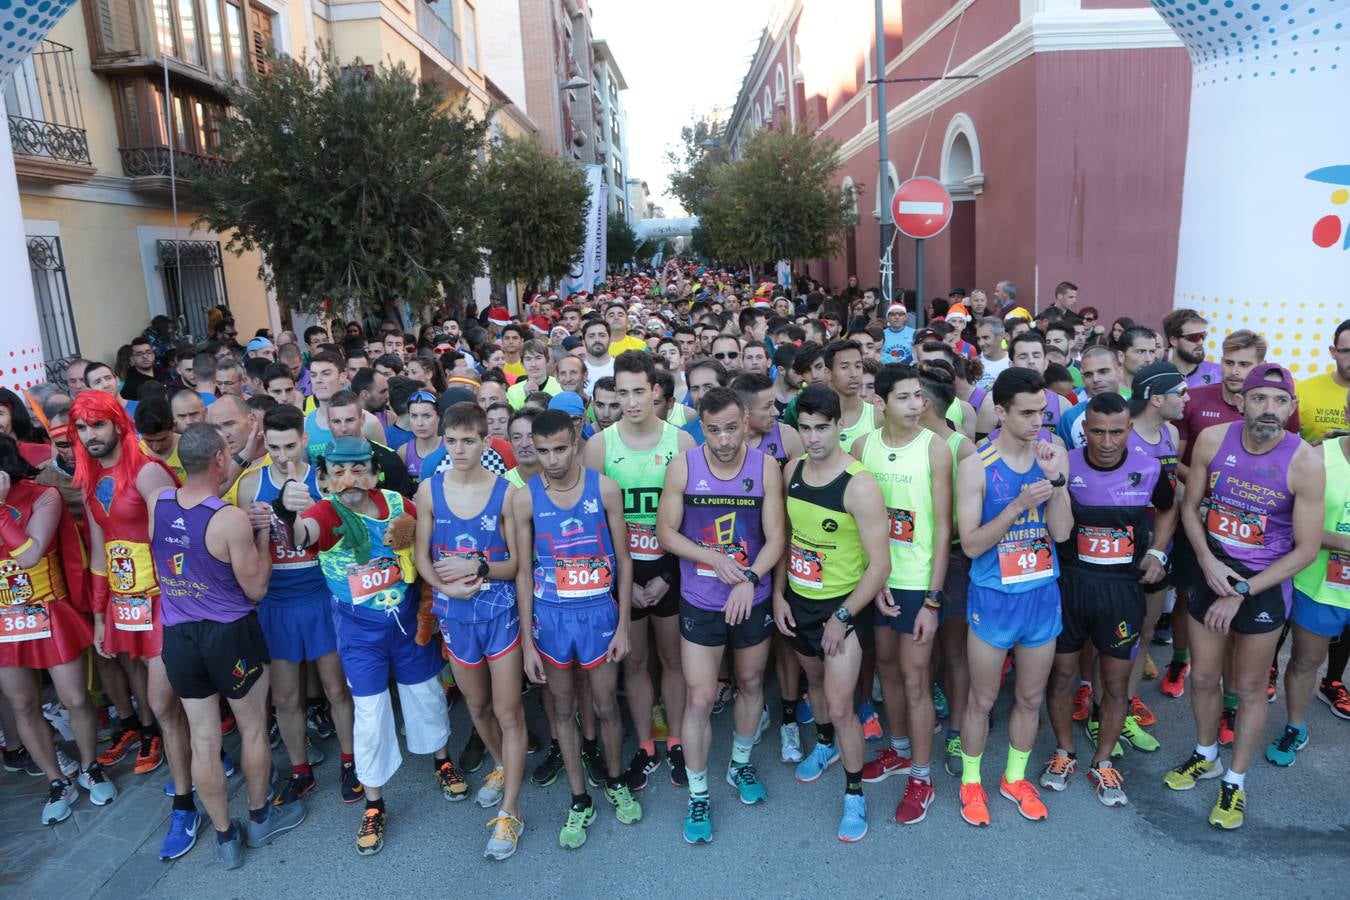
(725, 515)
(1249, 510)
(1165, 451)
(1205, 374)
(194, 585)
(772, 444)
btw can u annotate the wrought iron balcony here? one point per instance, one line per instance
(152, 167)
(435, 23)
(46, 123)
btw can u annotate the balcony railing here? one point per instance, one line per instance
(433, 25)
(46, 124)
(157, 162)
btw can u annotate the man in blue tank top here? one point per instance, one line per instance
(1012, 508)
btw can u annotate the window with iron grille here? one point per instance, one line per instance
(194, 281)
(56, 318)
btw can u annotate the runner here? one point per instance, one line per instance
(635, 452)
(844, 360)
(766, 433)
(1101, 375)
(595, 340)
(824, 585)
(1321, 398)
(213, 563)
(466, 550)
(1254, 525)
(1111, 555)
(572, 517)
(423, 421)
(1185, 331)
(722, 514)
(1027, 351)
(1012, 507)
(914, 469)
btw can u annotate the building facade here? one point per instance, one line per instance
(556, 35)
(1062, 138)
(607, 87)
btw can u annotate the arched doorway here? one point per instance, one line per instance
(963, 176)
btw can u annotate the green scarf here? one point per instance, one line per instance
(353, 531)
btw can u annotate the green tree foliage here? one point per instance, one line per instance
(620, 240)
(693, 163)
(536, 206)
(358, 185)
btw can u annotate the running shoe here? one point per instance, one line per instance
(804, 714)
(150, 756)
(228, 725)
(61, 796)
(1334, 695)
(184, 825)
(698, 827)
(1227, 722)
(1109, 784)
(549, 767)
(1027, 798)
(471, 759)
(313, 752)
(746, 780)
(853, 823)
(69, 767)
(1091, 726)
(1057, 772)
(643, 764)
(123, 742)
(1173, 683)
(913, 807)
(725, 694)
(1281, 750)
(532, 742)
(885, 764)
(573, 833)
(871, 722)
(626, 809)
(790, 743)
(1082, 702)
(1192, 772)
(453, 786)
(1162, 632)
(231, 852)
(350, 787)
(952, 757)
(1132, 733)
(99, 786)
(280, 819)
(1007, 667)
(505, 838)
(370, 836)
(319, 721)
(1142, 713)
(1229, 808)
(1150, 672)
(295, 788)
(493, 789)
(21, 761)
(974, 805)
(1273, 684)
(594, 764)
(821, 757)
(762, 727)
(941, 707)
(274, 734)
(678, 774)
(660, 729)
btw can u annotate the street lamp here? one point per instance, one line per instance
(574, 84)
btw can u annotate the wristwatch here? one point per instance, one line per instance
(1159, 555)
(1059, 481)
(843, 615)
(1241, 588)
(933, 599)
(483, 568)
(239, 460)
(751, 576)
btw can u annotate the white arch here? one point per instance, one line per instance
(779, 84)
(848, 185)
(894, 178)
(768, 104)
(962, 172)
(759, 116)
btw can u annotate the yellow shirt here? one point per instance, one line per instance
(232, 495)
(173, 462)
(628, 342)
(516, 369)
(1321, 405)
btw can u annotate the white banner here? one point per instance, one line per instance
(589, 268)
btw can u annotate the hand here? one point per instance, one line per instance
(618, 648)
(640, 598)
(534, 663)
(1151, 570)
(925, 625)
(728, 570)
(98, 637)
(782, 616)
(886, 604)
(260, 515)
(1033, 495)
(1052, 458)
(1221, 612)
(739, 603)
(4, 486)
(1219, 577)
(463, 588)
(832, 640)
(657, 589)
(295, 494)
(454, 568)
(253, 444)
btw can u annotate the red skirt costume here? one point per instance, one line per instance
(39, 627)
(130, 608)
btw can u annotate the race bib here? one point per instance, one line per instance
(1102, 546)
(582, 576)
(370, 583)
(24, 623)
(902, 527)
(284, 556)
(1235, 527)
(1338, 571)
(737, 552)
(642, 543)
(1026, 560)
(131, 613)
(806, 568)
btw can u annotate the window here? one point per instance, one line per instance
(470, 34)
(56, 319)
(144, 133)
(113, 25)
(187, 27)
(194, 281)
(260, 23)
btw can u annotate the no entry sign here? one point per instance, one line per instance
(921, 207)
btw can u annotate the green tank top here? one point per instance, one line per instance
(956, 412)
(866, 424)
(954, 441)
(513, 476)
(905, 477)
(640, 473)
(825, 558)
(678, 416)
(1327, 580)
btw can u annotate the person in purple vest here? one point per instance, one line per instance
(213, 565)
(1254, 517)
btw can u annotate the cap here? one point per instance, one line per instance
(455, 395)
(259, 343)
(468, 382)
(571, 342)
(1153, 380)
(349, 450)
(958, 312)
(1269, 375)
(499, 314)
(569, 403)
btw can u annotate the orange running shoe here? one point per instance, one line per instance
(127, 740)
(1173, 683)
(151, 755)
(1027, 798)
(1227, 721)
(974, 805)
(1142, 714)
(1082, 702)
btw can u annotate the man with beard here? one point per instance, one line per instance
(1185, 332)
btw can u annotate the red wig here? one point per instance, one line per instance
(96, 406)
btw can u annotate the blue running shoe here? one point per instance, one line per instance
(746, 780)
(1281, 750)
(821, 757)
(698, 821)
(804, 714)
(182, 837)
(940, 705)
(853, 824)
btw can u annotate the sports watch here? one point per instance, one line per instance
(751, 576)
(843, 615)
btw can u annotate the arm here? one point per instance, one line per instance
(523, 513)
(1218, 576)
(861, 442)
(505, 570)
(593, 455)
(986, 420)
(150, 480)
(782, 614)
(245, 548)
(1054, 462)
(27, 544)
(685, 439)
(863, 501)
(371, 429)
(940, 467)
(968, 420)
(1307, 477)
(612, 498)
(670, 515)
(977, 538)
(792, 443)
(774, 520)
(422, 542)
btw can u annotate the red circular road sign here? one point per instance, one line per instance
(921, 207)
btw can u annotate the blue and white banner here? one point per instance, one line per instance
(589, 269)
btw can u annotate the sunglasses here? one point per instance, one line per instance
(62, 445)
(1195, 337)
(1177, 391)
(422, 397)
(1089, 319)
(729, 355)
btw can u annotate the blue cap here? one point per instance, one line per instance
(569, 403)
(259, 343)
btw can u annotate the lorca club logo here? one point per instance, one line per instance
(1330, 230)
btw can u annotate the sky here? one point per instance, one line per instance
(679, 60)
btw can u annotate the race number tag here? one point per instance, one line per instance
(642, 542)
(737, 552)
(1235, 527)
(1027, 560)
(1102, 546)
(902, 527)
(582, 576)
(131, 613)
(24, 623)
(1338, 571)
(369, 581)
(285, 556)
(806, 568)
